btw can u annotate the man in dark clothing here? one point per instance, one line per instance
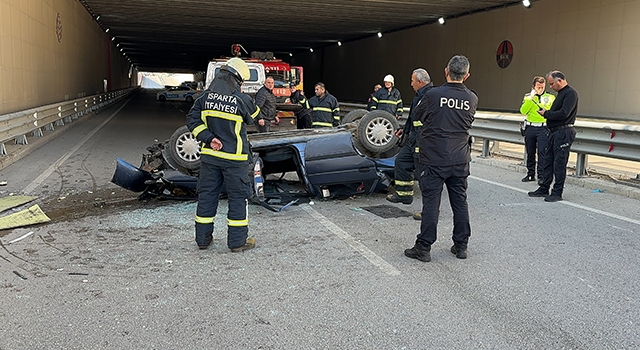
(447, 113)
(266, 101)
(303, 116)
(217, 119)
(325, 110)
(370, 101)
(560, 120)
(388, 98)
(407, 164)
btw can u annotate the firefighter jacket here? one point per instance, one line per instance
(531, 106)
(446, 113)
(413, 123)
(221, 112)
(298, 98)
(266, 101)
(325, 111)
(564, 109)
(387, 100)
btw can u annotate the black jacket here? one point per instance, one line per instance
(219, 111)
(266, 100)
(446, 113)
(413, 123)
(298, 98)
(385, 100)
(325, 110)
(564, 109)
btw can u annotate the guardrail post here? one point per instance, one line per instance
(22, 140)
(3, 150)
(485, 149)
(49, 127)
(581, 165)
(37, 132)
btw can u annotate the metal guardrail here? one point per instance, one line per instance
(16, 126)
(604, 139)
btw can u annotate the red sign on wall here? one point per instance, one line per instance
(504, 54)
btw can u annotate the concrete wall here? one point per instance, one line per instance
(596, 43)
(38, 69)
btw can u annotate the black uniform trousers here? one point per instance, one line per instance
(407, 166)
(431, 183)
(555, 159)
(210, 183)
(535, 141)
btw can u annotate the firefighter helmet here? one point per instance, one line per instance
(389, 78)
(238, 67)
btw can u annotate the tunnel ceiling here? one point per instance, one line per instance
(183, 35)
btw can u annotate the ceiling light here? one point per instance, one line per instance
(339, 43)
(97, 17)
(379, 34)
(118, 45)
(107, 31)
(441, 20)
(290, 54)
(114, 38)
(311, 49)
(526, 3)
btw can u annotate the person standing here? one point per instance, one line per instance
(446, 113)
(325, 110)
(535, 132)
(560, 120)
(217, 119)
(303, 116)
(266, 101)
(388, 98)
(407, 163)
(370, 101)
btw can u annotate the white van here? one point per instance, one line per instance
(250, 86)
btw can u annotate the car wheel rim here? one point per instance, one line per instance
(379, 131)
(188, 148)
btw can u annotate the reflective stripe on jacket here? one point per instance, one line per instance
(325, 111)
(390, 101)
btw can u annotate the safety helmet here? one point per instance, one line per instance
(238, 67)
(389, 78)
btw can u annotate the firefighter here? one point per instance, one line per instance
(388, 99)
(303, 116)
(407, 164)
(446, 113)
(325, 110)
(370, 100)
(217, 119)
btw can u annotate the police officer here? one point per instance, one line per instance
(560, 120)
(266, 101)
(535, 132)
(388, 98)
(325, 110)
(446, 113)
(303, 116)
(407, 164)
(217, 119)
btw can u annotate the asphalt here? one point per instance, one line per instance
(113, 272)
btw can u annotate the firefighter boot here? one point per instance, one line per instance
(394, 198)
(419, 253)
(250, 244)
(459, 251)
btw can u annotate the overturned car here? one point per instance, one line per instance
(355, 158)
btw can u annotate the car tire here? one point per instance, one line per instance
(354, 115)
(376, 131)
(189, 99)
(184, 149)
(162, 98)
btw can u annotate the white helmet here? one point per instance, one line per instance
(389, 78)
(238, 67)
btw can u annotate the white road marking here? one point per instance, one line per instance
(361, 248)
(575, 205)
(21, 238)
(40, 179)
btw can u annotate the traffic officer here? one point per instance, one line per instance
(388, 98)
(446, 113)
(535, 131)
(266, 101)
(560, 120)
(303, 116)
(217, 119)
(325, 110)
(407, 163)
